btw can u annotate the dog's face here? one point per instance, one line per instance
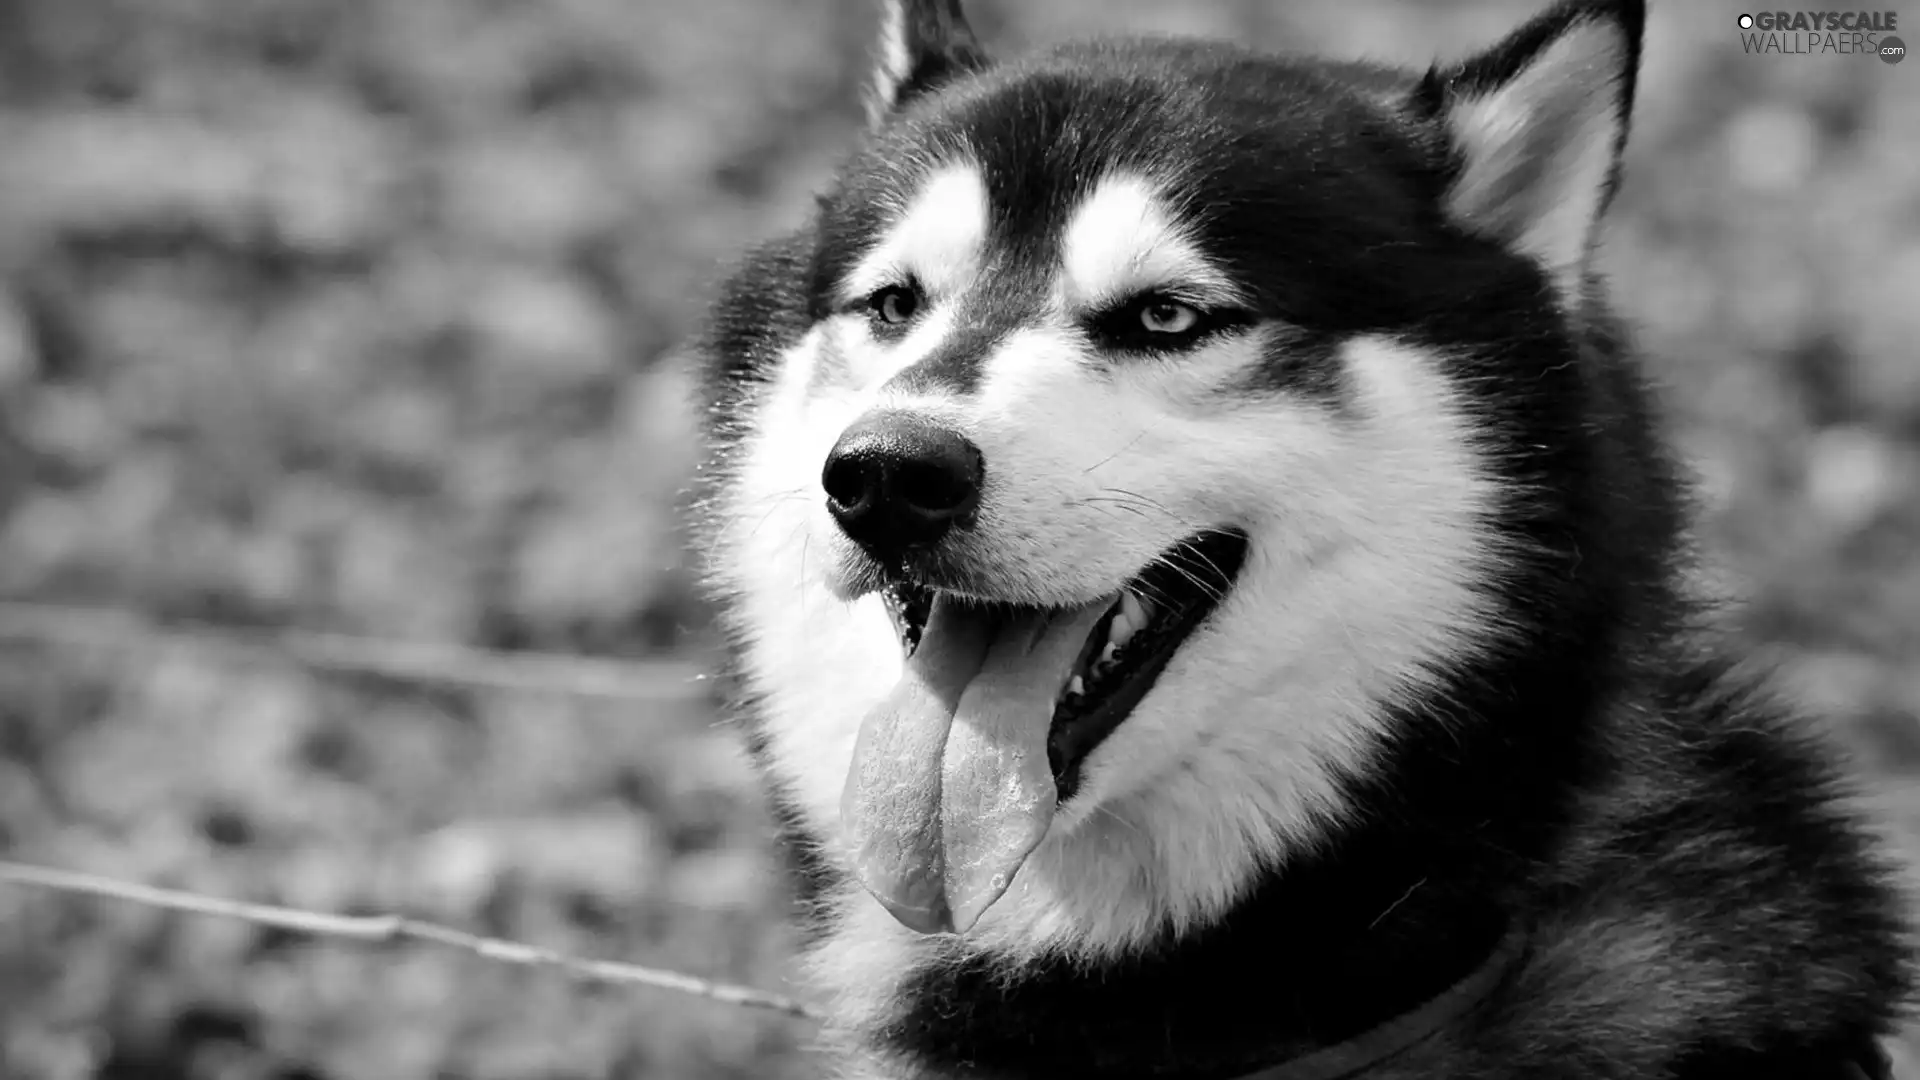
(1127, 446)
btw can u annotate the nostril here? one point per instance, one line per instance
(851, 482)
(942, 486)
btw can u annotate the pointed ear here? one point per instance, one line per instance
(923, 43)
(1536, 126)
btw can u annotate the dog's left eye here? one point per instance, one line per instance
(1168, 317)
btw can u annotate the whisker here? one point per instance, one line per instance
(1207, 588)
(806, 543)
(778, 504)
(1144, 501)
(1130, 826)
(1152, 592)
(1137, 499)
(775, 502)
(1202, 557)
(1120, 503)
(1131, 443)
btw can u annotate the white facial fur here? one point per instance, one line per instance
(1366, 529)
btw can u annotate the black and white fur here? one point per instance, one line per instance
(1456, 684)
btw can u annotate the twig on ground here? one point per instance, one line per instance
(412, 661)
(387, 929)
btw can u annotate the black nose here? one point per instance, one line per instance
(895, 482)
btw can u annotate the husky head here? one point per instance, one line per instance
(1135, 434)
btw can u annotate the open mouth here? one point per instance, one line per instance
(958, 769)
(1129, 647)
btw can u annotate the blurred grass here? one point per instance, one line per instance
(359, 315)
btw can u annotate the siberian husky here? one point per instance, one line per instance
(1206, 587)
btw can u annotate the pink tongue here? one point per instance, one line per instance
(950, 787)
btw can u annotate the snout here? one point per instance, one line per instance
(897, 483)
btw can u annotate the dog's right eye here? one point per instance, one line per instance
(894, 305)
(1159, 323)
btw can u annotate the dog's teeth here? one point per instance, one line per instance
(1107, 653)
(1076, 686)
(1128, 621)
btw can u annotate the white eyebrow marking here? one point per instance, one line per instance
(940, 239)
(1122, 240)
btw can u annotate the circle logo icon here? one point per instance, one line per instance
(1892, 50)
(1746, 22)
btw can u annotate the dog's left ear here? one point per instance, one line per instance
(923, 43)
(1536, 126)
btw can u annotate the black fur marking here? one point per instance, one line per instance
(759, 309)
(1007, 298)
(955, 365)
(1303, 363)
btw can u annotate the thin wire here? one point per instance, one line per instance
(386, 929)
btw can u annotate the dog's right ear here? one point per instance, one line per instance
(923, 43)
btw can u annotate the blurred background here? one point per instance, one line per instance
(360, 317)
